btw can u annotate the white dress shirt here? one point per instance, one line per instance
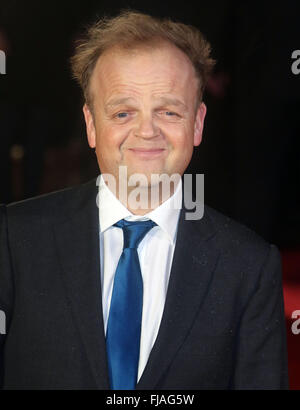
(155, 254)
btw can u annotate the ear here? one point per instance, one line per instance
(90, 126)
(199, 123)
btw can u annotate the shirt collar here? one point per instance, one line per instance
(111, 210)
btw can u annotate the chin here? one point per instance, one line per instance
(144, 172)
(140, 179)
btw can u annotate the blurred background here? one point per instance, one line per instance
(250, 153)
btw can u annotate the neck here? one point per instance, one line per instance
(140, 200)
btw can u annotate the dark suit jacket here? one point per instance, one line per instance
(223, 321)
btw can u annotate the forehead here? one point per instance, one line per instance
(162, 67)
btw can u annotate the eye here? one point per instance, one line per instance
(121, 114)
(167, 115)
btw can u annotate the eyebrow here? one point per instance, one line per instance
(162, 99)
(118, 101)
(172, 101)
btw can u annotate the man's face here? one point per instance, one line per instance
(144, 106)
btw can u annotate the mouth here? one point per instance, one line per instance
(147, 152)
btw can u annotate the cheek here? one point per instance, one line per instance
(183, 145)
(108, 138)
(181, 138)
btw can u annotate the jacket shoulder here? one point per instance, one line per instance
(236, 238)
(57, 204)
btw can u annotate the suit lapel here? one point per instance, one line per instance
(78, 248)
(194, 260)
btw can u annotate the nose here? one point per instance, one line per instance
(146, 127)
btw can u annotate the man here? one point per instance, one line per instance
(186, 304)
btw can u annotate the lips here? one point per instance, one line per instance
(147, 152)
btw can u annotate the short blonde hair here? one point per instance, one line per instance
(130, 29)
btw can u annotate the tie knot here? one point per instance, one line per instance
(134, 232)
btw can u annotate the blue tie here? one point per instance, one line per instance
(125, 314)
